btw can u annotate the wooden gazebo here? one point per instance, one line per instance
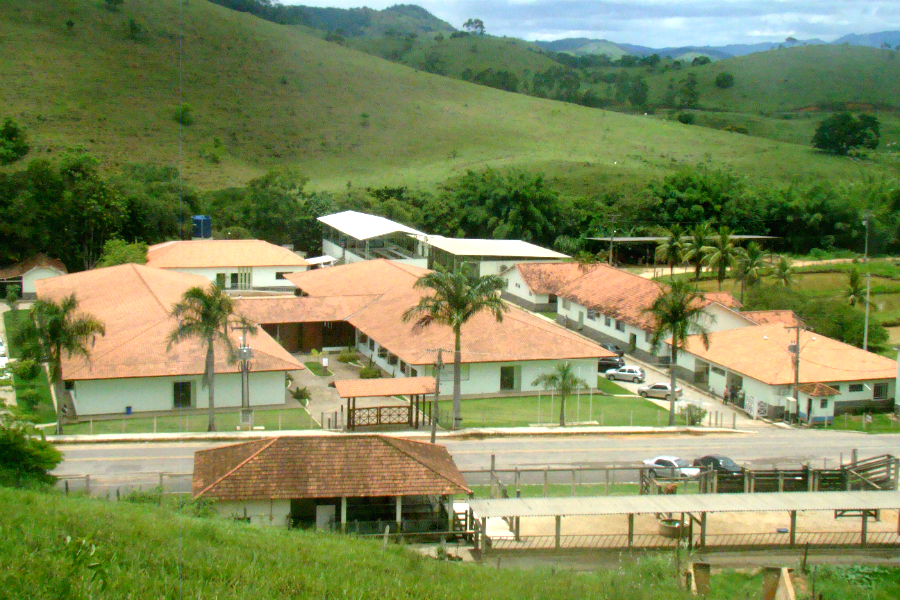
(404, 414)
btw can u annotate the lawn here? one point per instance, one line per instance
(38, 388)
(317, 369)
(522, 411)
(271, 419)
(11, 319)
(881, 423)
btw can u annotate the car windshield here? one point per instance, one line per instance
(728, 463)
(681, 463)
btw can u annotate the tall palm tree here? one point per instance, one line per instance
(677, 313)
(856, 289)
(722, 254)
(671, 250)
(783, 274)
(693, 249)
(52, 330)
(750, 266)
(206, 314)
(457, 297)
(563, 380)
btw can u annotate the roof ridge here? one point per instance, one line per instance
(119, 346)
(391, 440)
(140, 273)
(241, 464)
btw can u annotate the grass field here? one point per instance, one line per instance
(317, 369)
(228, 420)
(39, 387)
(881, 423)
(522, 411)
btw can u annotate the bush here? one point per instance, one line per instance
(184, 114)
(13, 144)
(348, 355)
(370, 371)
(113, 4)
(724, 80)
(842, 132)
(694, 415)
(737, 129)
(686, 118)
(301, 395)
(24, 460)
(134, 31)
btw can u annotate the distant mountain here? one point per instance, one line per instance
(875, 40)
(713, 53)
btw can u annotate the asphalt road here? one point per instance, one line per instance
(132, 465)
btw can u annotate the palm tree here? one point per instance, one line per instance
(722, 254)
(458, 296)
(750, 266)
(677, 313)
(856, 290)
(563, 380)
(54, 329)
(671, 251)
(206, 314)
(693, 250)
(783, 273)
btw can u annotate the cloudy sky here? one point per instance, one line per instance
(659, 23)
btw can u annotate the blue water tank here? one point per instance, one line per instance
(202, 225)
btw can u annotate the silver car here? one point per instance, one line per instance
(633, 374)
(658, 390)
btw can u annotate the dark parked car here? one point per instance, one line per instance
(717, 462)
(609, 362)
(613, 348)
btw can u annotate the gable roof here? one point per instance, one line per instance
(761, 353)
(133, 303)
(818, 390)
(268, 310)
(769, 317)
(490, 248)
(615, 293)
(325, 467)
(362, 226)
(550, 278)
(197, 254)
(35, 262)
(384, 387)
(521, 336)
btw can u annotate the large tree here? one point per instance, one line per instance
(562, 380)
(750, 267)
(456, 297)
(693, 248)
(783, 273)
(671, 250)
(55, 329)
(206, 314)
(856, 290)
(842, 132)
(677, 313)
(722, 254)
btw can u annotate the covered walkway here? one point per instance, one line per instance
(416, 388)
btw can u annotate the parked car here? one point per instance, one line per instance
(609, 362)
(717, 462)
(658, 390)
(633, 374)
(670, 466)
(613, 348)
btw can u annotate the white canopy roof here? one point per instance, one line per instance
(497, 248)
(361, 226)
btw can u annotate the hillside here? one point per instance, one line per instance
(264, 95)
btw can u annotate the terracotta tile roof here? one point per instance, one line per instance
(769, 317)
(38, 260)
(267, 310)
(550, 278)
(398, 386)
(818, 390)
(133, 302)
(335, 466)
(521, 336)
(761, 353)
(615, 293)
(221, 253)
(723, 298)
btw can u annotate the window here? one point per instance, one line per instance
(371, 344)
(856, 387)
(507, 378)
(823, 403)
(592, 315)
(403, 367)
(182, 394)
(620, 326)
(880, 390)
(363, 338)
(647, 336)
(719, 371)
(281, 274)
(566, 304)
(382, 352)
(607, 321)
(836, 386)
(392, 359)
(220, 280)
(234, 280)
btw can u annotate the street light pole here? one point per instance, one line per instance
(244, 354)
(868, 286)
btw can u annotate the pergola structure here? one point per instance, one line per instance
(694, 506)
(410, 414)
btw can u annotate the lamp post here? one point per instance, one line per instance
(612, 236)
(244, 355)
(868, 285)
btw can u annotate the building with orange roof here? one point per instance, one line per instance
(232, 264)
(535, 285)
(25, 273)
(757, 364)
(496, 357)
(131, 367)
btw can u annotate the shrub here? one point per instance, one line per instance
(348, 355)
(737, 129)
(370, 371)
(694, 415)
(686, 118)
(184, 114)
(24, 460)
(135, 31)
(301, 395)
(724, 80)
(113, 4)
(13, 144)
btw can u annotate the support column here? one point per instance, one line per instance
(484, 537)
(343, 514)
(631, 530)
(865, 528)
(793, 527)
(451, 517)
(703, 530)
(558, 531)
(398, 513)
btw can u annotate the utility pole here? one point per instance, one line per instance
(794, 349)
(868, 285)
(437, 393)
(612, 235)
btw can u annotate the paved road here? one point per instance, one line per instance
(115, 465)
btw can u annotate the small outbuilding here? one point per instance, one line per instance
(354, 483)
(26, 272)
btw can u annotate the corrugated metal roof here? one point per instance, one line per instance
(688, 503)
(490, 248)
(361, 226)
(662, 239)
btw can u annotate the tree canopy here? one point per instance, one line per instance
(842, 132)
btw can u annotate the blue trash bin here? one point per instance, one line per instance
(127, 410)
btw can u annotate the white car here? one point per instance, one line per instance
(2, 348)
(658, 390)
(633, 374)
(670, 466)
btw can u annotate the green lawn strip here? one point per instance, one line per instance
(881, 423)
(291, 418)
(317, 369)
(611, 387)
(521, 411)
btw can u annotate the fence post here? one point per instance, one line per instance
(573, 482)
(558, 541)
(546, 481)
(518, 489)
(87, 483)
(160, 481)
(154, 423)
(631, 530)
(607, 481)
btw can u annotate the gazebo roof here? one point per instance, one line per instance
(396, 386)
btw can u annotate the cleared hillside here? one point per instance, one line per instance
(265, 95)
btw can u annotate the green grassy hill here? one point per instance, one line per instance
(264, 95)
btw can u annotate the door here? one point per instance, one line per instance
(325, 516)
(507, 379)
(182, 394)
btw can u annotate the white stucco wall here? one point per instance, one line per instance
(516, 286)
(599, 324)
(267, 513)
(35, 274)
(111, 396)
(720, 318)
(260, 277)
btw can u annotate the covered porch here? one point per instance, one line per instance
(413, 413)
